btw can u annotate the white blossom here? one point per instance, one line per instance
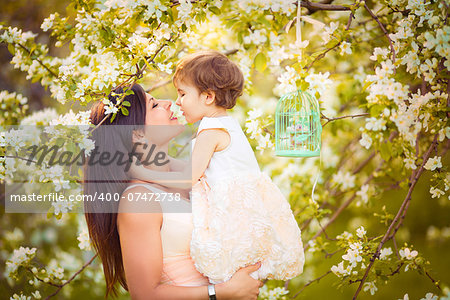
(328, 31)
(433, 163)
(252, 128)
(371, 287)
(385, 252)
(405, 297)
(19, 257)
(363, 193)
(375, 124)
(20, 297)
(276, 293)
(62, 206)
(436, 193)
(345, 48)
(408, 254)
(366, 140)
(264, 142)
(410, 163)
(84, 242)
(352, 256)
(344, 235)
(377, 51)
(361, 232)
(429, 296)
(36, 294)
(340, 271)
(344, 179)
(110, 108)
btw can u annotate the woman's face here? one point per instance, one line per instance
(160, 122)
(158, 112)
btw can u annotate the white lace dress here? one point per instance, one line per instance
(240, 216)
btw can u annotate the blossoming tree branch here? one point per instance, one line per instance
(380, 70)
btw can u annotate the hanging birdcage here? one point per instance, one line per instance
(297, 125)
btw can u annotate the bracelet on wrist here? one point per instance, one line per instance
(211, 292)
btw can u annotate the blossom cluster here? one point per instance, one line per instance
(278, 293)
(13, 108)
(354, 260)
(253, 128)
(284, 7)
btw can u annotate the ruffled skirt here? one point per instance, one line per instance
(240, 220)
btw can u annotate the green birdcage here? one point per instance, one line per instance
(297, 125)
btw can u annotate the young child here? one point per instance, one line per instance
(239, 216)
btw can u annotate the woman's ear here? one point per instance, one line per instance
(139, 137)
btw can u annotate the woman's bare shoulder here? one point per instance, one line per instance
(137, 208)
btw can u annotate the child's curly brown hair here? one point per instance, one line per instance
(211, 71)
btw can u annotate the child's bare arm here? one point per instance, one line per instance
(205, 145)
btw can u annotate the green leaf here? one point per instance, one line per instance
(112, 118)
(34, 79)
(50, 212)
(60, 142)
(148, 65)
(11, 49)
(170, 14)
(215, 10)
(385, 151)
(376, 110)
(240, 38)
(33, 48)
(124, 111)
(260, 62)
(231, 22)
(174, 13)
(71, 147)
(264, 21)
(126, 103)
(366, 85)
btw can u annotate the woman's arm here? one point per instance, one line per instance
(205, 145)
(142, 255)
(177, 165)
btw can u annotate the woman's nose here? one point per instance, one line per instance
(167, 103)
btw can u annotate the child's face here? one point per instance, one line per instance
(191, 101)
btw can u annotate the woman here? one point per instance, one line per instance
(146, 252)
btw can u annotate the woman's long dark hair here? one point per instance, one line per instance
(111, 179)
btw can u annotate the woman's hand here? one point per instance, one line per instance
(241, 286)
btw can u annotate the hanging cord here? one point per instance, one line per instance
(314, 186)
(298, 30)
(299, 41)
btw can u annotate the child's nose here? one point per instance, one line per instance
(178, 102)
